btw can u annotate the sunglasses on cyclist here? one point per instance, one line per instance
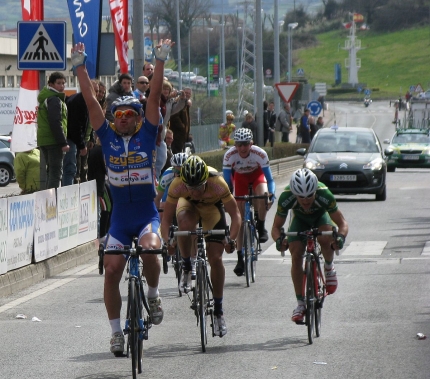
(306, 197)
(243, 143)
(196, 188)
(128, 113)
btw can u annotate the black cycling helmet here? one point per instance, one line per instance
(194, 171)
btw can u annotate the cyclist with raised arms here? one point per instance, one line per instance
(245, 164)
(167, 177)
(312, 205)
(128, 146)
(200, 194)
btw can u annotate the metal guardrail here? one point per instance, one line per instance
(285, 166)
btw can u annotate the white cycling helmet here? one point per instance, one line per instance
(243, 135)
(178, 159)
(303, 182)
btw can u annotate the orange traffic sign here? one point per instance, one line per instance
(287, 90)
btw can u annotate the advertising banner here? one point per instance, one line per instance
(88, 212)
(85, 16)
(45, 225)
(20, 230)
(68, 217)
(3, 235)
(8, 101)
(119, 14)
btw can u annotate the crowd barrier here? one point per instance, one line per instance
(43, 224)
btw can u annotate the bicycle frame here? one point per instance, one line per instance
(314, 287)
(135, 322)
(202, 302)
(250, 243)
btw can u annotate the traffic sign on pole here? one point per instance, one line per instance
(315, 108)
(42, 45)
(287, 90)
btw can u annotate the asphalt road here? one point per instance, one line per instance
(369, 325)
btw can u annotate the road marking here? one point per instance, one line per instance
(48, 288)
(426, 249)
(365, 248)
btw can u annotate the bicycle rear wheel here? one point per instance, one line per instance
(319, 291)
(133, 336)
(254, 256)
(247, 250)
(310, 301)
(203, 303)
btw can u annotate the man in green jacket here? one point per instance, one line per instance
(52, 127)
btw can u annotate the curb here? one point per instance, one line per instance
(24, 277)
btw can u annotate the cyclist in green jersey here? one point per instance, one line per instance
(312, 205)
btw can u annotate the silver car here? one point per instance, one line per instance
(6, 164)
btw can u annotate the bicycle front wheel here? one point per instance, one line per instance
(310, 301)
(320, 293)
(247, 240)
(203, 304)
(178, 267)
(133, 336)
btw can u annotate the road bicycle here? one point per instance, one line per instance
(202, 302)
(251, 241)
(137, 324)
(314, 286)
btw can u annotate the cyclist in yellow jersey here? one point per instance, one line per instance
(200, 194)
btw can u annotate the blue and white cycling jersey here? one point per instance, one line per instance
(129, 163)
(164, 183)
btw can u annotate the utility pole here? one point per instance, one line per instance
(138, 30)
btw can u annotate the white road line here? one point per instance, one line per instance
(365, 248)
(48, 288)
(426, 249)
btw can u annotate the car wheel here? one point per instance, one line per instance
(391, 168)
(382, 196)
(5, 175)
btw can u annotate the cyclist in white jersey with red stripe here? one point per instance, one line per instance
(246, 164)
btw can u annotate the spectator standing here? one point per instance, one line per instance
(272, 121)
(249, 123)
(122, 87)
(168, 140)
(52, 127)
(101, 95)
(180, 123)
(266, 122)
(305, 127)
(77, 126)
(284, 122)
(142, 85)
(27, 170)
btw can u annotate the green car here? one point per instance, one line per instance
(411, 149)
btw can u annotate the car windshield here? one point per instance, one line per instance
(411, 138)
(345, 142)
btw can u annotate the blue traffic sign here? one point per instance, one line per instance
(359, 89)
(367, 92)
(42, 45)
(315, 107)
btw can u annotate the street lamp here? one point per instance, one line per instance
(208, 74)
(178, 28)
(291, 26)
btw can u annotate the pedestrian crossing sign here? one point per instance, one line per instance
(42, 45)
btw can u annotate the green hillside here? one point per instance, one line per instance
(391, 62)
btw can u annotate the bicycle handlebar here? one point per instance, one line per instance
(199, 232)
(138, 250)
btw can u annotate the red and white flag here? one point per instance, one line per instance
(24, 132)
(119, 14)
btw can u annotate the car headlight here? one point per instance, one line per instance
(374, 165)
(314, 165)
